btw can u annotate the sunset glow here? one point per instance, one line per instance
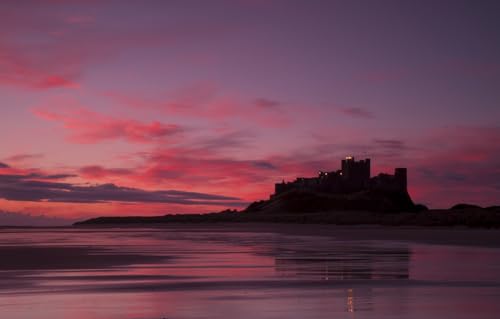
(114, 108)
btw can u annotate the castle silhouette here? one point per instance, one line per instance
(354, 176)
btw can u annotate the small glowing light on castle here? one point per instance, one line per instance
(348, 157)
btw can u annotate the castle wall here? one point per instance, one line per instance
(391, 183)
(353, 177)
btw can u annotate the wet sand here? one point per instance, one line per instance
(249, 271)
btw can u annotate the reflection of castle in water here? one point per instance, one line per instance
(350, 300)
(346, 262)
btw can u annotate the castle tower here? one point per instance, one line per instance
(346, 166)
(356, 174)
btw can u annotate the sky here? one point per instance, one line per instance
(156, 107)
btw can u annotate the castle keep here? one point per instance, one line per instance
(354, 176)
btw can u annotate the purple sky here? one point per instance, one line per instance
(217, 100)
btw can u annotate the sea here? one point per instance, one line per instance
(223, 271)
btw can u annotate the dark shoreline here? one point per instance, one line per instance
(469, 217)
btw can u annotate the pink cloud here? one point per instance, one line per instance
(439, 175)
(53, 81)
(201, 169)
(44, 47)
(205, 101)
(16, 69)
(40, 64)
(22, 188)
(193, 169)
(99, 172)
(86, 126)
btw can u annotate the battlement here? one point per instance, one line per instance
(354, 176)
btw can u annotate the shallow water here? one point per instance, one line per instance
(208, 273)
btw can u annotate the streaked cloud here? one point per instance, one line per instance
(41, 189)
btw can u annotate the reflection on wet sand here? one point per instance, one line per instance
(346, 261)
(206, 274)
(350, 300)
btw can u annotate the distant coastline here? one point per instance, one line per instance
(462, 215)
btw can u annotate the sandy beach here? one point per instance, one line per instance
(264, 270)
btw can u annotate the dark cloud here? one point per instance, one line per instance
(30, 188)
(456, 174)
(356, 112)
(36, 176)
(390, 144)
(3, 165)
(455, 177)
(59, 176)
(264, 164)
(266, 103)
(226, 141)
